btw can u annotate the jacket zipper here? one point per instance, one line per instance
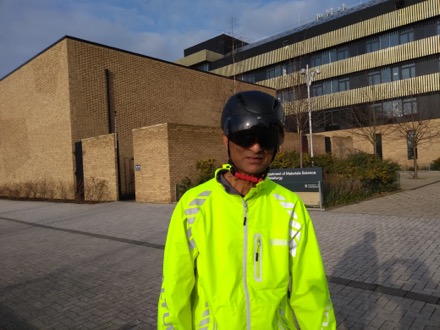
(258, 261)
(246, 291)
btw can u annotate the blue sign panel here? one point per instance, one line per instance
(307, 179)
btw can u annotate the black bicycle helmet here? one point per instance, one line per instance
(246, 110)
(250, 117)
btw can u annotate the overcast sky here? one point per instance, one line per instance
(156, 28)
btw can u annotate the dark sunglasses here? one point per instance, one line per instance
(267, 138)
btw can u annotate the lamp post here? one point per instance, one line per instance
(310, 74)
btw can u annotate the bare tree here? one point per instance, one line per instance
(294, 111)
(370, 119)
(414, 124)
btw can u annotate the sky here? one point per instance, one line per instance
(157, 28)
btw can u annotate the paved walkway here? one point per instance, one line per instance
(70, 266)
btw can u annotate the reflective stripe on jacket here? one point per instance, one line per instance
(250, 262)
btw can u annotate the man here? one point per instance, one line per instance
(241, 251)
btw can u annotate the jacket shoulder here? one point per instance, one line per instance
(202, 190)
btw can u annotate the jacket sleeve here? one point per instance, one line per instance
(174, 307)
(310, 297)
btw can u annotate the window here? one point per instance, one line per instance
(204, 67)
(390, 39)
(332, 119)
(343, 84)
(403, 71)
(342, 53)
(316, 60)
(393, 39)
(408, 71)
(384, 41)
(328, 145)
(286, 95)
(270, 72)
(334, 85)
(406, 36)
(411, 144)
(388, 109)
(327, 87)
(397, 108)
(317, 89)
(374, 78)
(249, 77)
(409, 106)
(385, 75)
(326, 57)
(372, 45)
(379, 145)
(395, 73)
(376, 114)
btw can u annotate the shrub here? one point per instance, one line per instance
(43, 189)
(96, 189)
(345, 181)
(350, 180)
(291, 159)
(339, 190)
(286, 159)
(374, 173)
(206, 170)
(435, 165)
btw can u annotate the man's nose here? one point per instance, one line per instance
(256, 147)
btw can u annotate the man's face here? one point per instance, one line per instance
(251, 160)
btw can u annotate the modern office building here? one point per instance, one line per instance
(378, 81)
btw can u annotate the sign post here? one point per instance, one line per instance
(306, 182)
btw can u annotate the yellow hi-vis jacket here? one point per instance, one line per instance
(251, 262)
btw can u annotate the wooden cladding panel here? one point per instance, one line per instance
(402, 88)
(413, 50)
(408, 15)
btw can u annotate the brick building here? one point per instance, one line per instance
(379, 79)
(67, 118)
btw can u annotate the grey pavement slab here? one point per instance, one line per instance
(98, 266)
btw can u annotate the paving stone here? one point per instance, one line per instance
(99, 266)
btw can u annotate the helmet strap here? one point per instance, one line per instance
(246, 177)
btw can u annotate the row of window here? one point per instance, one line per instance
(392, 73)
(371, 44)
(422, 107)
(380, 75)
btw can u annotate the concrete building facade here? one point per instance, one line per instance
(378, 81)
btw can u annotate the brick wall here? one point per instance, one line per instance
(100, 170)
(151, 157)
(36, 151)
(142, 92)
(167, 154)
(188, 144)
(63, 96)
(342, 146)
(394, 146)
(290, 142)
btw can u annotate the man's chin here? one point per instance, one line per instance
(254, 170)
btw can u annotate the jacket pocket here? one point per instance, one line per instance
(258, 257)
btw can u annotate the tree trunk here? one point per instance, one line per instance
(415, 163)
(300, 146)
